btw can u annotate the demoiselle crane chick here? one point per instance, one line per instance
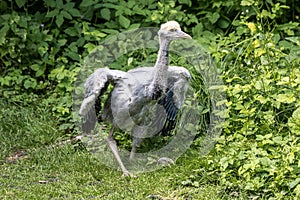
(144, 101)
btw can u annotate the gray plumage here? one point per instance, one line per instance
(144, 101)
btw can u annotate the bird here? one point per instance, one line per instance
(143, 101)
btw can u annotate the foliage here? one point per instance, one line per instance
(254, 43)
(259, 149)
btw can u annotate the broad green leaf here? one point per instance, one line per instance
(30, 83)
(97, 33)
(71, 31)
(5, 81)
(135, 26)
(62, 42)
(294, 183)
(87, 3)
(247, 3)
(284, 81)
(68, 6)
(213, 17)
(3, 5)
(3, 32)
(125, 22)
(39, 72)
(105, 13)
(60, 4)
(74, 12)
(187, 2)
(131, 3)
(258, 52)
(66, 14)
(73, 55)
(262, 99)
(285, 98)
(89, 46)
(259, 137)
(50, 3)
(35, 67)
(20, 3)
(278, 140)
(251, 26)
(295, 40)
(223, 23)
(59, 20)
(297, 189)
(52, 13)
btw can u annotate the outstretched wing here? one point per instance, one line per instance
(172, 100)
(175, 96)
(95, 85)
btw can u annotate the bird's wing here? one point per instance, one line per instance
(95, 85)
(172, 100)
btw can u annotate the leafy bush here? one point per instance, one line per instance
(259, 149)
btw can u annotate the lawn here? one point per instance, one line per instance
(36, 165)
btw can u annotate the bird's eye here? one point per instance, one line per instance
(172, 29)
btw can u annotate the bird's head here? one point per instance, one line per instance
(172, 31)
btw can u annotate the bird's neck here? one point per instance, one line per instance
(162, 61)
(159, 83)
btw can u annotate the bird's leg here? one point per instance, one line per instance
(135, 143)
(132, 153)
(113, 146)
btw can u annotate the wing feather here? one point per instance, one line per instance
(174, 97)
(95, 86)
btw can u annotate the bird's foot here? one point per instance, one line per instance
(165, 161)
(127, 174)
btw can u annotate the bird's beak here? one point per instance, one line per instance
(182, 34)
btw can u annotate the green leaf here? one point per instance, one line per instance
(294, 183)
(68, 6)
(62, 42)
(52, 13)
(135, 26)
(89, 46)
(60, 4)
(247, 3)
(285, 98)
(87, 3)
(35, 67)
(295, 40)
(223, 23)
(213, 17)
(66, 14)
(74, 12)
(3, 32)
(3, 5)
(50, 3)
(73, 55)
(59, 20)
(98, 34)
(187, 2)
(30, 83)
(20, 3)
(105, 13)
(39, 73)
(71, 31)
(125, 22)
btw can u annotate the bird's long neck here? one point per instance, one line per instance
(159, 82)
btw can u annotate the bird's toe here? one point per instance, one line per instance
(128, 174)
(165, 161)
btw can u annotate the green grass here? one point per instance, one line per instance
(45, 171)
